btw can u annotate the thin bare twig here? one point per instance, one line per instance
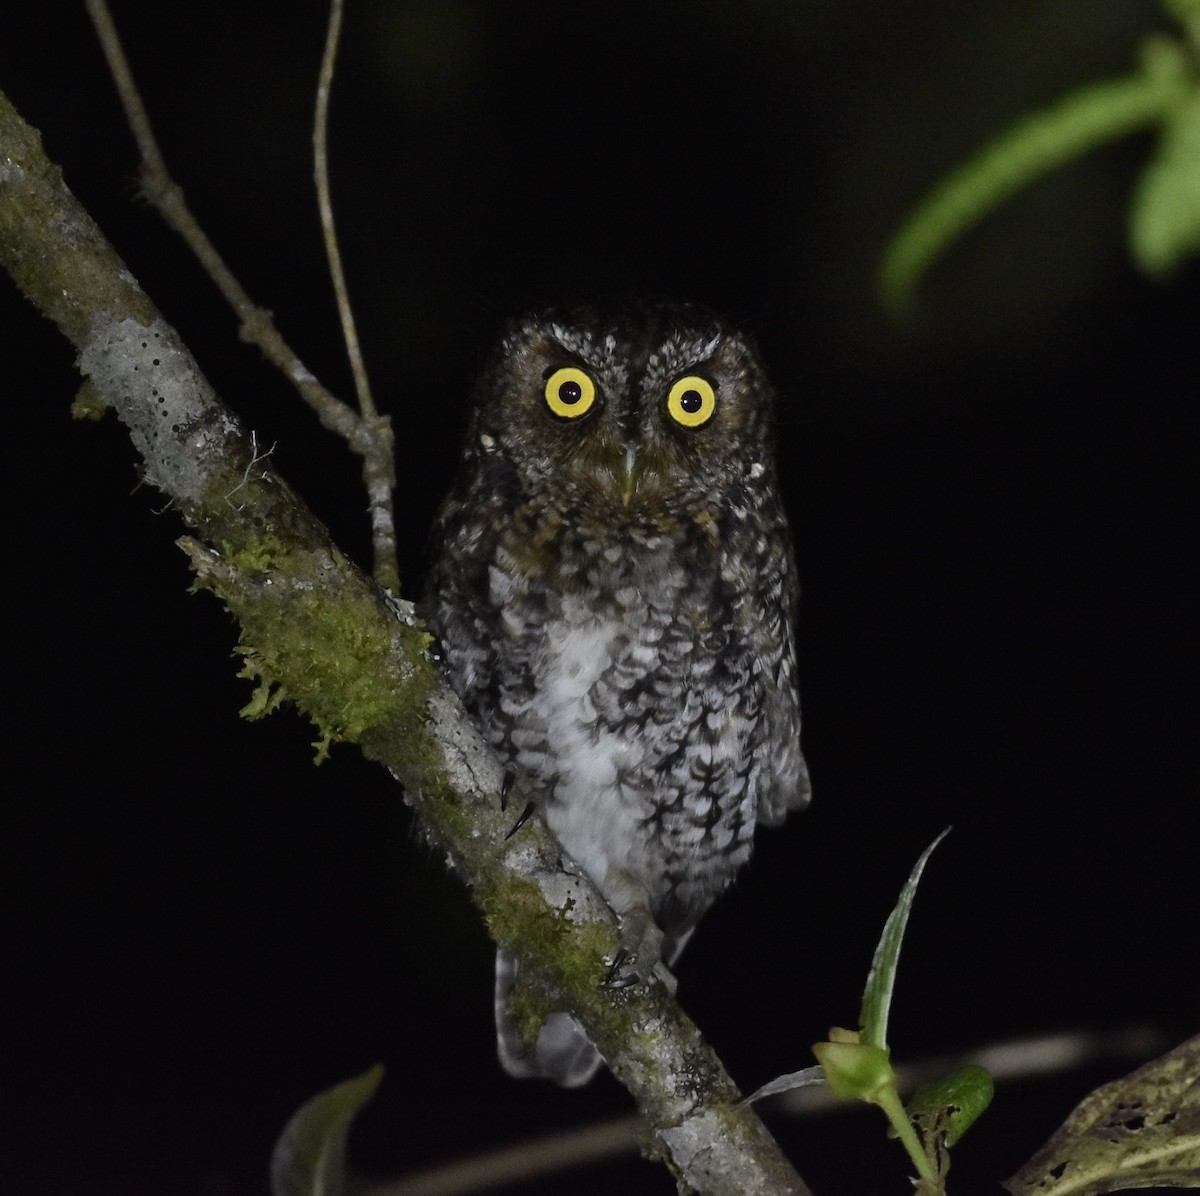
(368, 434)
(378, 469)
(362, 384)
(550, 1154)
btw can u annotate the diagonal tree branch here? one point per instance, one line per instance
(317, 631)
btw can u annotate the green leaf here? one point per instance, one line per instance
(1142, 1131)
(1164, 220)
(1029, 149)
(948, 1108)
(877, 997)
(309, 1158)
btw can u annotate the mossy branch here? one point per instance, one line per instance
(316, 630)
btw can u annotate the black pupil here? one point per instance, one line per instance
(691, 401)
(570, 393)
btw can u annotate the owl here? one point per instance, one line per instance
(614, 593)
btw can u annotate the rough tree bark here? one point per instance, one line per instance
(318, 632)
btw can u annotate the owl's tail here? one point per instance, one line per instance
(563, 1052)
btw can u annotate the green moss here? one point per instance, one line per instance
(49, 244)
(89, 403)
(528, 1009)
(268, 694)
(329, 648)
(517, 917)
(440, 805)
(258, 554)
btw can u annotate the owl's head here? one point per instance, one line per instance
(656, 408)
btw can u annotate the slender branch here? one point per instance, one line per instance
(315, 630)
(550, 1154)
(378, 467)
(362, 384)
(572, 1149)
(369, 435)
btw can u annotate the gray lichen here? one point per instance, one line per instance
(173, 417)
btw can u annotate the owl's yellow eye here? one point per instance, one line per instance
(692, 401)
(569, 392)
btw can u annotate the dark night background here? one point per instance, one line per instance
(993, 509)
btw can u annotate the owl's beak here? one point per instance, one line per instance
(627, 474)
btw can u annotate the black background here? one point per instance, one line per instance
(993, 509)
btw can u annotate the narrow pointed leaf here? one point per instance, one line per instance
(806, 1077)
(1142, 1131)
(309, 1158)
(1164, 220)
(877, 998)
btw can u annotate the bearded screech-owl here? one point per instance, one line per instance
(614, 593)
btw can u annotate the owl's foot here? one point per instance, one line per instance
(639, 953)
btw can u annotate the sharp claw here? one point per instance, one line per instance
(638, 957)
(506, 788)
(614, 979)
(526, 814)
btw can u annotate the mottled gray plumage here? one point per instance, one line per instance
(614, 593)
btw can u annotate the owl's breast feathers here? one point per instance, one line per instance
(638, 667)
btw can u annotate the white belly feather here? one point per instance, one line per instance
(600, 796)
